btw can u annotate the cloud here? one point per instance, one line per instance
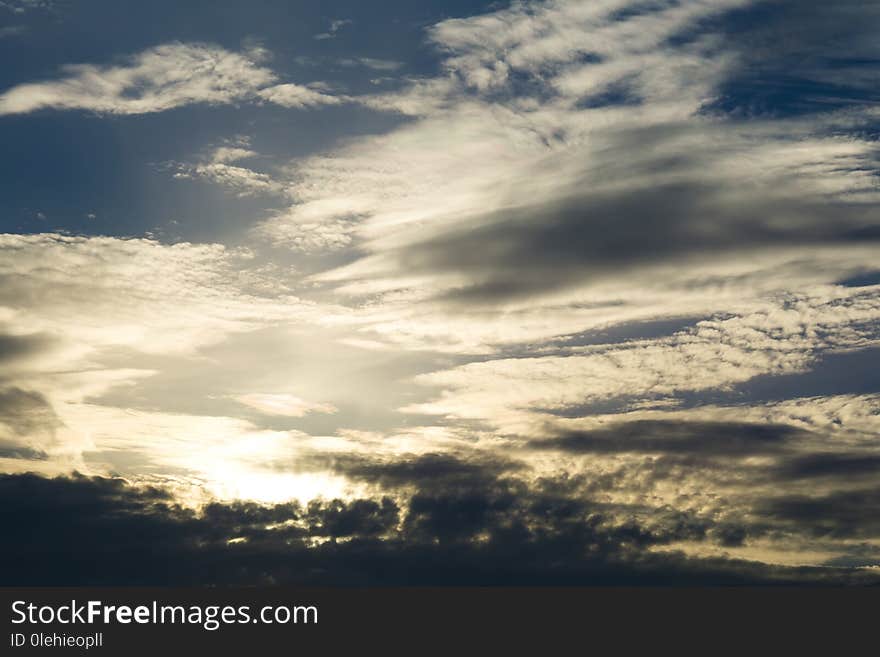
(670, 437)
(241, 180)
(101, 317)
(283, 404)
(373, 63)
(24, 6)
(159, 79)
(364, 518)
(115, 533)
(15, 348)
(103, 291)
(25, 412)
(761, 452)
(437, 470)
(222, 166)
(333, 29)
(295, 229)
(12, 451)
(29, 425)
(839, 514)
(780, 338)
(297, 96)
(155, 80)
(12, 31)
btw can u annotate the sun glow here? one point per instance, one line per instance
(238, 483)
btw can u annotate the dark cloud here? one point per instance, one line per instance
(844, 505)
(358, 518)
(716, 439)
(673, 449)
(858, 555)
(842, 514)
(844, 466)
(434, 470)
(82, 530)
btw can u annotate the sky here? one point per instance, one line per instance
(456, 292)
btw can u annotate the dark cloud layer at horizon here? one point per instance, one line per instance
(93, 531)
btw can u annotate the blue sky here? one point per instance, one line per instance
(405, 262)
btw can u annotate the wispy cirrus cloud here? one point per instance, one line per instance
(333, 29)
(298, 96)
(161, 78)
(283, 404)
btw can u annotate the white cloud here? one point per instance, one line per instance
(162, 78)
(227, 154)
(241, 180)
(297, 96)
(157, 79)
(283, 404)
(221, 167)
(305, 236)
(106, 291)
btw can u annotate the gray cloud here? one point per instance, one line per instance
(26, 412)
(839, 514)
(8, 451)
(16, 347)
(532, 250)
(434, 470)
(725, 439)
